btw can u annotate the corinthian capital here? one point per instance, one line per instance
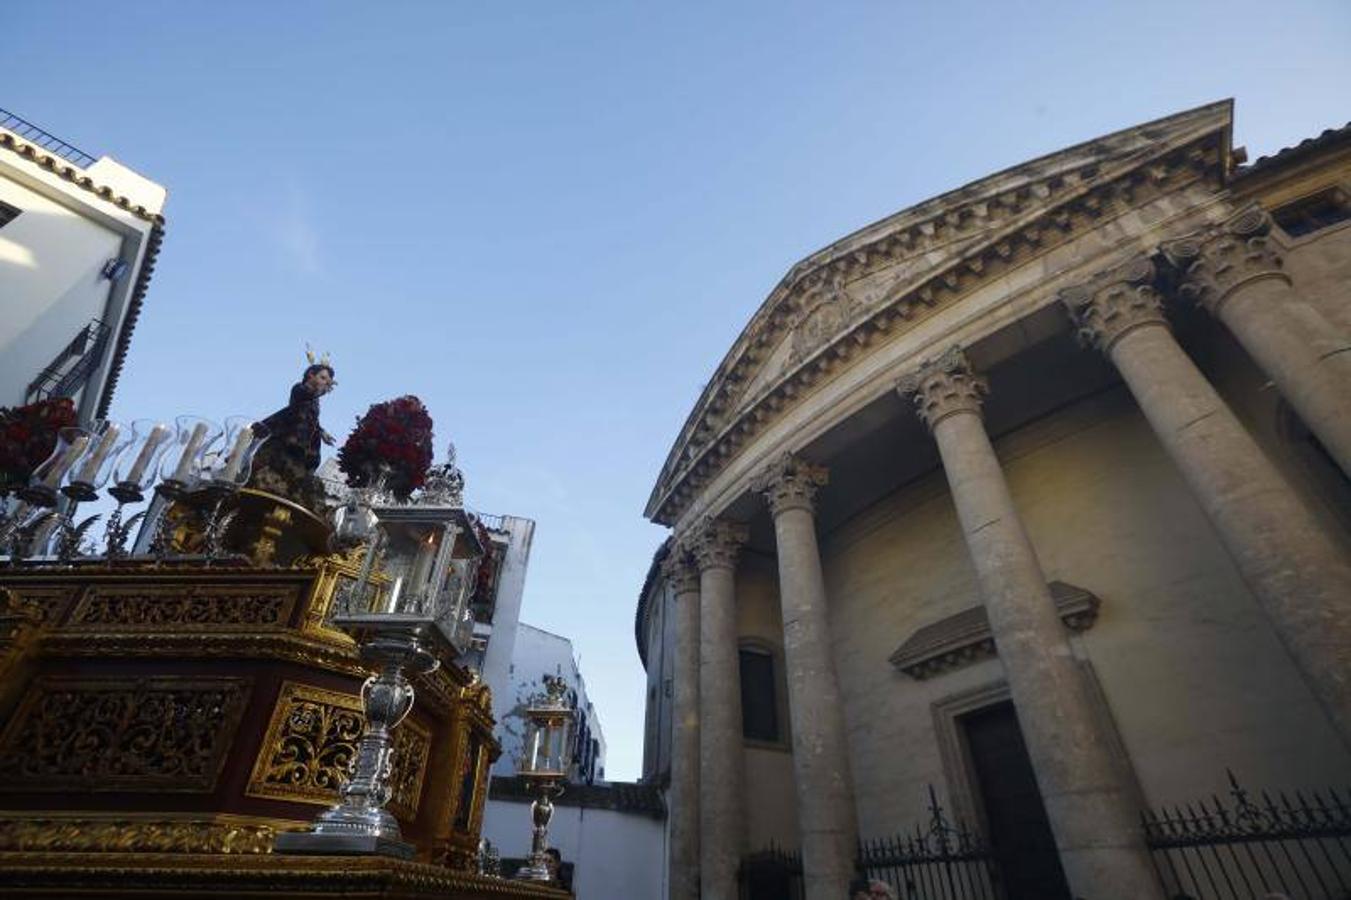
(679, 571)
(716, 543)
(1114, 303)
(1216, 261)
(945, 386)
(789, 482)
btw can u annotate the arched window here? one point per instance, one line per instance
(759, 703)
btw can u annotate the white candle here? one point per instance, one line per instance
(184, 470)
(62, 465)
(152, 442)
(236, 460)
(90, 470)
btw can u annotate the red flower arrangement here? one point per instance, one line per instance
(28, 436)
(395, 436)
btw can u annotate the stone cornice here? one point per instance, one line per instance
(59, 167)
(955, 244)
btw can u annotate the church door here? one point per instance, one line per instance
(1019, 832)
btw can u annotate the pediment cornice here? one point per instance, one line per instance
(830, 307)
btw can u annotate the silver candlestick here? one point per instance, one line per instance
(360, 824)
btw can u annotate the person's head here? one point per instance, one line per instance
(859, 890)
(319, 378)
(880, 890)
(553, 860)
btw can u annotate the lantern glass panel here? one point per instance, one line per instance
(409, 555)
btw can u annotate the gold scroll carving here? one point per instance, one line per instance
(161, 734)
(311, 743)
(191, 607)
(130, 834)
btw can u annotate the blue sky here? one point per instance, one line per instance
(550, 220)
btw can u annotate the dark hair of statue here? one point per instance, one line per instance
(317, 367)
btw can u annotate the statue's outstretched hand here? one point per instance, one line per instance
(326, 438)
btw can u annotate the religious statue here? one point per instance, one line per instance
(286, 463)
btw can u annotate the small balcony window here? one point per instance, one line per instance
(1314, 212)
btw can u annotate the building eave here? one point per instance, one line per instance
(147, 269)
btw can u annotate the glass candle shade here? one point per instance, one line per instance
(136, 468)
(230, 461)
(193, 439)
(108, 440)
(71, 445)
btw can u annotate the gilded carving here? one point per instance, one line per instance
(1114, 303)
(194, 607)
(71, 834)
(311, 744)
(945, 386)
(790, 482)
(151, 734)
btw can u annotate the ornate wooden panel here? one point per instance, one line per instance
(311, 743)
(143, 734)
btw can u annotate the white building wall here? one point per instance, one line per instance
(538, 653)
(616, 855)
(496, 669)
(51, 257)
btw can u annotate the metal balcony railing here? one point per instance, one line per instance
(49, 142)
(73, 365)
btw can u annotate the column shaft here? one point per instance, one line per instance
(721, 758)
(1088, 797)
(825, 795)
(1299, 577)
(1237, 273)
(684, 792)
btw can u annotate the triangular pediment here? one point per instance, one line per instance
(918, 254)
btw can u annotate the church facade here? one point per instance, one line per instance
(1037, 493)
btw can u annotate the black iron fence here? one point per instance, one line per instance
(1244, 846)
(939, 861)
(771, 874)
(1294, 846)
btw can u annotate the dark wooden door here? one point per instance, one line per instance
(1020, 835)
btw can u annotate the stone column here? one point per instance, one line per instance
(825, 792)
(684, 793)
(1298, 576)
(1236, 272)
(722, 794)
(1088, 797)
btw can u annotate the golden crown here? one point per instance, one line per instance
(317, 360)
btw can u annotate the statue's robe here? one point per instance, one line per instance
(286, 462)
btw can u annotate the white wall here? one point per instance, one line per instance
(507, 612)
(538, 653)
(50, 287)
(51, 256)
(616, 855)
